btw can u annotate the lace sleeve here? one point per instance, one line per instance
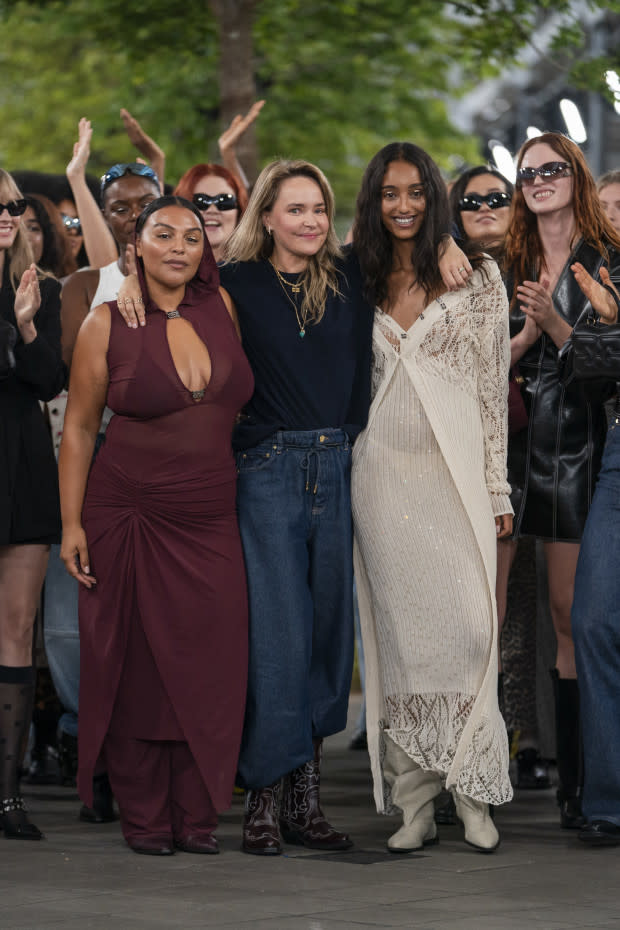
(494, 365)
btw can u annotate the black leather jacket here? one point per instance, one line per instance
(553, 463)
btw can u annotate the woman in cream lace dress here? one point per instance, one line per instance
(430, 498)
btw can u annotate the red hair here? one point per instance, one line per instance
(185, 187)
(523, 251)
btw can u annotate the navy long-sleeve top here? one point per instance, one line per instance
(320, 381)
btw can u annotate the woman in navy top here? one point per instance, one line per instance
(306, 330)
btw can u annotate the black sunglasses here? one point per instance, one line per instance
(221, 201)
(14, 207)
(72, 224)
(551, 170)
(120, 170)
(494, 201)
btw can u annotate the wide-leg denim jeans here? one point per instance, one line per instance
(295, 519)
(596, 632)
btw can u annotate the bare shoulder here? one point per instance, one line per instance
(82, 283)
(95, 329)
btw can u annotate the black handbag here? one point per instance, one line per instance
(592, 351)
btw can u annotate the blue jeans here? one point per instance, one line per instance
(62, 638)
(295, 518)
(596, 631)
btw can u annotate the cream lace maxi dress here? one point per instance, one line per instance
(429, 474)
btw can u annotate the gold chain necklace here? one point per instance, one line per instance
(302, 319)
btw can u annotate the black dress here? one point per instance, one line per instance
(29, 502)
(553, 463)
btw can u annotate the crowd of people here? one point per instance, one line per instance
(247, 415)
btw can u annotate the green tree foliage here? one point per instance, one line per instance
(341, 77)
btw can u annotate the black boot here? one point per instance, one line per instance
(569, 754)
(302, 821)
(16, 697)
(102, 810)
(261, 833)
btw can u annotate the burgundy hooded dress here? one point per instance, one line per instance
(163, 634)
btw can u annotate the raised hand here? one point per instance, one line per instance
(145, 145)
(602, 301)
(81, 150)
(240, 124)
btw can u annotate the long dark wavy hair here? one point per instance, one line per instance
(373, 242)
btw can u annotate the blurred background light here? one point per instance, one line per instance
(573, 120)
(503, 159)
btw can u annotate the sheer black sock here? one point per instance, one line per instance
(16, 696)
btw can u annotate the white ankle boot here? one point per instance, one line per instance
(417, 832)
(480, 831)
(412, 790)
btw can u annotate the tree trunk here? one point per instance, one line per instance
(236, 72)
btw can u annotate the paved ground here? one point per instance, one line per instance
(84, 878)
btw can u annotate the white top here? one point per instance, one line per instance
(110, 279)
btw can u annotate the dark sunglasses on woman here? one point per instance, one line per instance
(494, 201)
(72, 224)
(14, 207)
(220, 201)
(550, 171)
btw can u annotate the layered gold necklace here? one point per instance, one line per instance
(296, 287)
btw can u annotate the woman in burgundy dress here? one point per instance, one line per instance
(163, 606)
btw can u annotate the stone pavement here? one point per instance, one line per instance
(84, 878)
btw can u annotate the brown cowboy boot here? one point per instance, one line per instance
(261, 834)
(301, 820)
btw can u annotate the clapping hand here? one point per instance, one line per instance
(602, 301)
(27, 302)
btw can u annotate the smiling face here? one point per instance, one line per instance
(485, 225)
(298, 222)
(403, 200)
(610, 201)
(8, 224)
(170, 244)
(218, 223)
(546, 195)
(123, 202)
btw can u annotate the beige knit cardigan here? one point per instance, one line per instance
(458, 359)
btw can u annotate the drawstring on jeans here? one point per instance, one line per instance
(306, 465)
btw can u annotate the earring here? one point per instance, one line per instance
(268, 228)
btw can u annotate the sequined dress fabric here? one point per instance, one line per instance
(427, 610)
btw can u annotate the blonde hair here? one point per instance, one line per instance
(19, 255)
(251, 242)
